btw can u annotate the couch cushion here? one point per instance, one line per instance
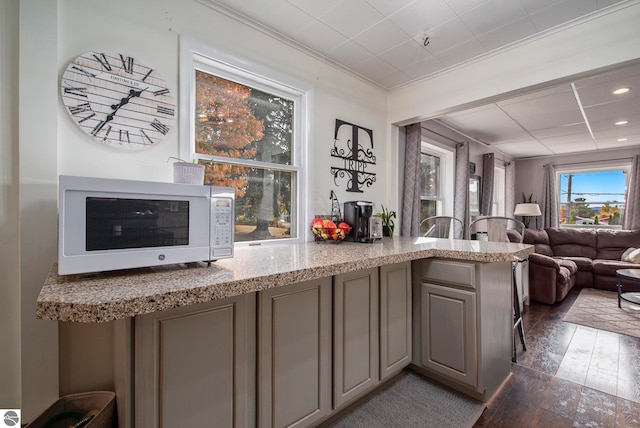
(540, 240)
(625, 256)
(612, 243)
(609, 267)
(569, 264)
(633, 256)
(573, 242)
(583, 263)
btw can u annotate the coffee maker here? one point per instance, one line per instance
(357, 215)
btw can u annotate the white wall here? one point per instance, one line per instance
(9, 246)
(38, 183)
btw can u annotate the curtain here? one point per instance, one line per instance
(411, 187)
(549, 205)
(461, 191)
(632, 198)
(488, 166)
(510, 189)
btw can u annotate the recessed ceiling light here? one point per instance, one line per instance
(621, 91)
(622, 122)
(623, 139)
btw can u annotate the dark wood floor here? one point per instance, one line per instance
(570, 375)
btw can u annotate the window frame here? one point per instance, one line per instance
(622, 164)
(197, 56)
(444, 206)
(499, 203)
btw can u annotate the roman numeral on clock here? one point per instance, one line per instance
(127, 64)
(147, 75)
(77, 91)
(159, 126)
(83, 71)
(86, 118)
(166, 110)
(102, 59)
(124, 135)
(145, 136)
(161, 92)
(99, 127)
(80, 108)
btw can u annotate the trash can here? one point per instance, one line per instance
(96, 409)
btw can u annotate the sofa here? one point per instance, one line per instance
(568, 257)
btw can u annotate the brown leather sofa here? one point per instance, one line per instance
(568, 257)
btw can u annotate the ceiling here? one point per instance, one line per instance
(384, 42)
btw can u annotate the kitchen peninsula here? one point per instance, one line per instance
(306, 329)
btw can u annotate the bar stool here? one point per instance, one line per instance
(442, 227)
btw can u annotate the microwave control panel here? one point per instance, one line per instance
(222, 213)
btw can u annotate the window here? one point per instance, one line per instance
(246, 130)
(436, 181)
(499, 186)
(430, 197)
(592, 198)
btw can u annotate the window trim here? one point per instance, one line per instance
(446, 155)
(499, 200)
(594, 166)
(195, 55)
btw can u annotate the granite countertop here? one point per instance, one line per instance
(94, 298)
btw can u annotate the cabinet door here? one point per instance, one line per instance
(355, 335)
(395, 318)
(294, 360)
(448, 332)
(193, 365)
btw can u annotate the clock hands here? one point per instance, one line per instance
(115, 107)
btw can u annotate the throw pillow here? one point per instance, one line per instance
(625, 255)
(634, 256)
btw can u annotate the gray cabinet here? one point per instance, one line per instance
(463, 323)
(294, 354)
(448, 335)
(195, 365)
(355, 335)
(395, 318)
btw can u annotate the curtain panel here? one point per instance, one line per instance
(411, 184)
(461, 190)
(632, 198)
(488, 170)
(510, 188)
(549, 205)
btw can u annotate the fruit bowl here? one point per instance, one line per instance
(326, 230)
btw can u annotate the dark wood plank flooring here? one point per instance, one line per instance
(570, 376)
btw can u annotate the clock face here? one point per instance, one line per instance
(117, 100)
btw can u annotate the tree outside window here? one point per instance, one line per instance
(244, 136)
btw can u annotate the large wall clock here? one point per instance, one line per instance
(117, 100)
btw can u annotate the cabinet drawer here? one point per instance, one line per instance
(447, 272)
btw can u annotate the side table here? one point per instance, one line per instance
(630, 275)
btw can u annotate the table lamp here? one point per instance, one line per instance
(526, 211)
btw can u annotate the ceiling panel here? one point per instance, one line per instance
(351, 17)
(493, 14)
(382, 41)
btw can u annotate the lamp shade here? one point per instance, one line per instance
(527, 210)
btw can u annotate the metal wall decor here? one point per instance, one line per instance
(355, 148)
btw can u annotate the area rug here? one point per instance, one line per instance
(599, 309)
(413, 401)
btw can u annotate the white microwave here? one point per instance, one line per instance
(109, 224)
